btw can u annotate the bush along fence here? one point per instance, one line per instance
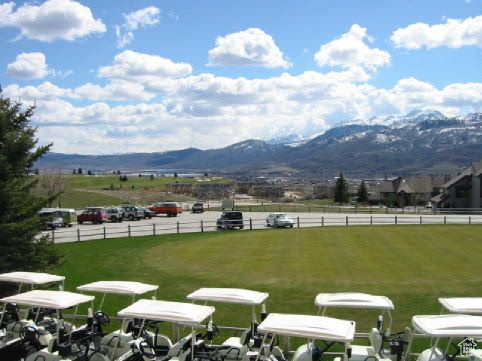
(153, 229)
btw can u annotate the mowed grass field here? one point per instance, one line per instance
(413, 265)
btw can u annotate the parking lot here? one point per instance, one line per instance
(201, 222)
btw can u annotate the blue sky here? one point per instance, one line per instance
(125, 76)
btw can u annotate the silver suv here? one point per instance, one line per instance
(133, 212)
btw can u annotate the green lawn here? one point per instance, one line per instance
(106, 181)
(413, 265)
(80, 199)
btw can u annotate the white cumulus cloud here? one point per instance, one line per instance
(351, 50)
(53, 19)
(131, 65)
(28, 66)
(454, 33)
(251, 47)
(138, 19)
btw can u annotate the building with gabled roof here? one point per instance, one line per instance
(463, 190)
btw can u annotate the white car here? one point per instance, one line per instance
(279, 220)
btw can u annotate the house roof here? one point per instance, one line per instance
(474, 169)
(412, 184)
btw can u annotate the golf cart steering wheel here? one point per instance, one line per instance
(102, 318)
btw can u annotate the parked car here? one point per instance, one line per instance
(115, 214)
(133, 212)
(230, 220)
(279, 220)
(51, 219)
(93, 216)
(148, 213)
(171, 209)
(68, 215)
(197, 207)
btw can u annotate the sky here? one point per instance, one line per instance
(145, 76)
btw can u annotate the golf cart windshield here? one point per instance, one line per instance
(462, 304)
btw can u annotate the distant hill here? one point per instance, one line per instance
(419, 142)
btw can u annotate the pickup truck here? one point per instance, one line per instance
(171, 209)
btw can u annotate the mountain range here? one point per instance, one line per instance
(420, 142)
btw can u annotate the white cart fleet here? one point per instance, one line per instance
(459, 331)
(463, 305)
(316, 330)
(181, 315)
(39, 342)
(379, 335)
(235, 347)
(122, 337)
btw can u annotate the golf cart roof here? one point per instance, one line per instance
(316, 327)
(462, 304)
(450, 325)
(353, 300)
(118, 287)
(58, 300)
(229, 295)
(31, 278)
(175, 312)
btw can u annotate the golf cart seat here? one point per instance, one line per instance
(362, 353)
(233, 342)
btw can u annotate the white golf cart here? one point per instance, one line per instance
(315, 329)
(460, 331)
(31, 279)
(180, 314)
(462, 305)
(379, 335)
(104, 342)
(38, 341)
(235, 347)
(12, 318)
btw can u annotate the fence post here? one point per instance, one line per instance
(396, 220)
(355, 209)
(202, 226)
(470, 219)
(371, 220)
(153, 229)
(324, 209)
(445, 219)
(346, 221)
(128, 230)
(298, 221)
(250, 208)
(78, 234)
(386, 210)
(104, 233)
(322, 221)
(420, 219)
(53, 235)
(309, 208)
(177, 226)
(251, 224)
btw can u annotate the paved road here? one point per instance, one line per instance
(206, 221)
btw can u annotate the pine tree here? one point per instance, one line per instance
(341, 190)
(19, 219)
(362, 194)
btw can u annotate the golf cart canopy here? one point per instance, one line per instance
(31, 278)
(449, 325)
(462, 304)
(313, 327)
(353, 300)
(58, 300)
(175, 312)
(229, 295)
(118, 287)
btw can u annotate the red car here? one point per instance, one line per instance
(170, 208)
(94, 216)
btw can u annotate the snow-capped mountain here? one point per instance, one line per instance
(419, 142)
